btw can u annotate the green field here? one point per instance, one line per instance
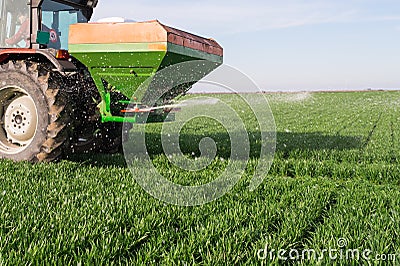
(335, 175)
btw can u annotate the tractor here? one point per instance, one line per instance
(66, 84)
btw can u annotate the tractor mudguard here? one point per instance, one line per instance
(61, 65)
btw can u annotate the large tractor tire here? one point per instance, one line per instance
(34, 119)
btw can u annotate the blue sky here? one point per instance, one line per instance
(289, 44)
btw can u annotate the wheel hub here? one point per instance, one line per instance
(20, 120)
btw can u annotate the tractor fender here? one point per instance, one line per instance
(61, 65)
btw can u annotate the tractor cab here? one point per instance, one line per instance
(56, 18)
(22, 24)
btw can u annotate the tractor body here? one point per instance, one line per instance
(66, 84)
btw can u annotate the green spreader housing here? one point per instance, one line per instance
(122, 56)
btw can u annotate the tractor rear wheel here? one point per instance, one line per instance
(33, 116)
